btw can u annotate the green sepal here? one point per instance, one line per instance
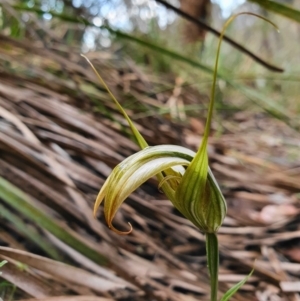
(140, 139)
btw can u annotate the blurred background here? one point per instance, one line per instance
(61, 135)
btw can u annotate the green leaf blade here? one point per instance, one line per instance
(21, 202)
(279, 8)
(236, 287)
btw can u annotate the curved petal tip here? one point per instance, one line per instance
(95, 211)
(110, 226)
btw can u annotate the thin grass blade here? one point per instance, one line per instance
(279, 8)
(236, 287)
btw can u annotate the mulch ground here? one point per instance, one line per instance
(60, 137)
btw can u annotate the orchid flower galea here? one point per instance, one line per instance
(198, 198)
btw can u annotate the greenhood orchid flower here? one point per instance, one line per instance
(193, 191)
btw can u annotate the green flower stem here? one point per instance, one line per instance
(212, 254)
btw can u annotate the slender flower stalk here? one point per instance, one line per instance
(183, 175)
